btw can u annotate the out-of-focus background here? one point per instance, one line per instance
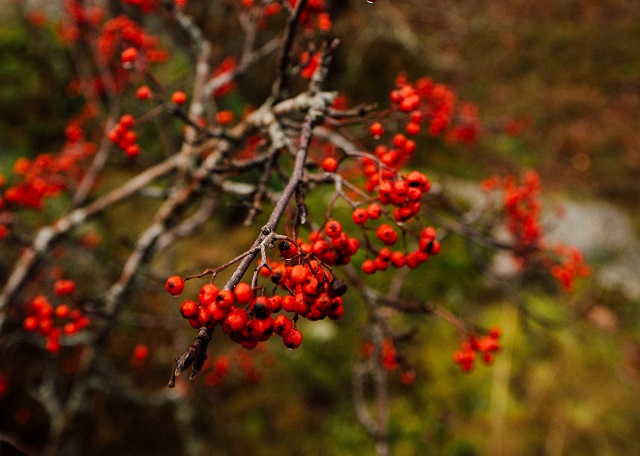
(567, 72)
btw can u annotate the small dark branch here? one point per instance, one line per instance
(356, 113)
(194, 356)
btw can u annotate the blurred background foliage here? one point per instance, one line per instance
(570, 66)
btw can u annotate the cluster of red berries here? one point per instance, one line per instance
(124, 137)
(523, 210)
(424, 100)
(312, 293)
(569, 265)
(309, 63)
(54, 321)
(122, 33)
(48, 174)
(486, 346)
(331, 246)
(427, 246)
(522, 206)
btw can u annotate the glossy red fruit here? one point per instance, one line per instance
(359, 216)
(189, 309)
(329, 164)
(287, 249)
(225, 299)
(174, 285)
(243, 293)
(282, 325)
(292, 339)
(208, 294)
(236, 321)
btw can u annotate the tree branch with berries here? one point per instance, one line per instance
(306, 261)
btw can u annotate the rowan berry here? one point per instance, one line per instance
(374, 211)
(292, 339)
(333, 229)
(263, 328)
(139, 355)
(413, 128)
(217, 313)
(174, 285)
(368, 266)
(63, 287)
(179, 97)
(225, 299)
(397, 259)
(143, 93)
(236, 321)
(30, 323)
(287, 250)
(127, 121)
(208, 294)
(243, 293)
(282, 325)
(189, 309)
(70, 328)
(261, 307)
(386, 234)
(132, 150)
(276, 303)
(376, 129)
(62, 311)
(329, 164)
(129, 55)
(359, 216)
(298, 274)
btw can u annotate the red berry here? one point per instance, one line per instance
(376, 129)
(30, 323)
(374, 211)
(333, 229)
(189, 309)
(329, 164)
(179, 97)
(386, 234)
(298, 274)
(243, 293)
(287, 250)
(359, 216)
(129, 55)
(282, 325)
(143, 93)
(127, 121)
(369, 266)
(225, 299)
(174, 285)
(235, 321)
(292, 339)
(208, 294)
